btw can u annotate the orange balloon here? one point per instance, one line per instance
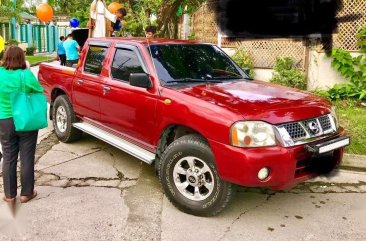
(113, 7)
(44, 12)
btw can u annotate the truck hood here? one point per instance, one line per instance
(258, 100)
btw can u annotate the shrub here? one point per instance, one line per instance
(30, 51)
(13, 42)
(287, 74)
(353, 69)
(244, 60)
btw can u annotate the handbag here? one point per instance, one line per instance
(29, 109)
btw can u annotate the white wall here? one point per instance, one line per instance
(263, 74)
(321, 75)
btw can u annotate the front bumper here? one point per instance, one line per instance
(327, 146)
(288, 165)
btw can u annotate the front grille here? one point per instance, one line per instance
(325, 122)
(295, 130)
(309, 128)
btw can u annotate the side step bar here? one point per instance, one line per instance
(116, 141)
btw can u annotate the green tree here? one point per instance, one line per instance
(78, 9)
(7, 8)
(166, 13)
(138, 13)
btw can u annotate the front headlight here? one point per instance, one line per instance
(252, 134)
(334, 115)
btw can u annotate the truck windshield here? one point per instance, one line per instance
(193, 63)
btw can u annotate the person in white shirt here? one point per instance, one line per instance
(99, 12)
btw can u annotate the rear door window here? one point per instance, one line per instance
(94, 59)
(125, 62)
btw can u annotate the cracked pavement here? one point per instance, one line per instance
(89, 190)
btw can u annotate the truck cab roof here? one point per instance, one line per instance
(144, 41)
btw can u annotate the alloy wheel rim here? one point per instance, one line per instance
(193, 178)
(61, 119)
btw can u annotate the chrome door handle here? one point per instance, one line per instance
(106, 89)
(80, 82)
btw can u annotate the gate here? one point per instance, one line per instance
(5, 31)
(40, 37)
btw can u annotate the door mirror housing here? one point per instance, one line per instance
(140, 80)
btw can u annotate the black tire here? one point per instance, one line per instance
(68, 133)
(193, 147)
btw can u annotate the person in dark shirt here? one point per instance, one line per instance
(120, 13)
(150, 31)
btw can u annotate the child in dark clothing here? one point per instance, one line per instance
(150, 31)
(120, 13)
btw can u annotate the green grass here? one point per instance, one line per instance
(37, 59)
(352, 117)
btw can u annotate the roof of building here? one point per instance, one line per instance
(25, 15)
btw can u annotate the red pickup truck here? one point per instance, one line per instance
(190, 110)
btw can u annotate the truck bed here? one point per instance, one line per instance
(57, 76)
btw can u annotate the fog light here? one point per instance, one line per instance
(263, 173)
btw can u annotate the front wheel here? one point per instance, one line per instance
(63, 116)
(190, 180)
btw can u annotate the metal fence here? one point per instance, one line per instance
(43, 37)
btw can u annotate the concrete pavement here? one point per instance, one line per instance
(89, 190)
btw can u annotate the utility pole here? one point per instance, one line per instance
(13, 24)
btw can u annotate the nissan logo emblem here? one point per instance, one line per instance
(313, 127)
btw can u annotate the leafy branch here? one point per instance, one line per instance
(8, 10)
(244, 60)
(352, 68)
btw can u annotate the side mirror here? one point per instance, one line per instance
(140, 80)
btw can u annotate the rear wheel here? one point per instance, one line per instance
(190, 180)
(63, 116)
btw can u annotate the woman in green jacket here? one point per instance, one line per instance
(14, 143)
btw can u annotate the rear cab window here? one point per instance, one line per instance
(95, 58)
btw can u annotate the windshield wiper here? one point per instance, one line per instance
(191, 80)
(226, 77)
